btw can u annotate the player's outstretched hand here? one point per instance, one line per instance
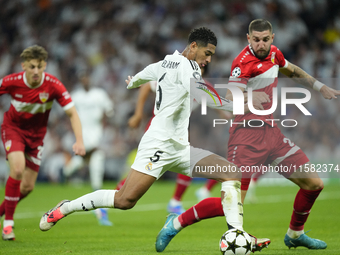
(128, 79)
(329, 93)
(259, 98)
(79, 149)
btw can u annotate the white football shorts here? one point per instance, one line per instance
(155, 157)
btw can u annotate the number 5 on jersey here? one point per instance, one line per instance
(156, 156)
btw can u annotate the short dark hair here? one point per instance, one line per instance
(34, 52)
(260, 25)
(202, 36)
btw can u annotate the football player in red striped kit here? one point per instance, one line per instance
(257, 67)
(24, 127)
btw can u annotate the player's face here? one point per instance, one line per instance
(85, 81)
(34, 70)
(260, 42)
(202, 55)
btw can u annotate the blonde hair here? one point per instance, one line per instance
(34, 52)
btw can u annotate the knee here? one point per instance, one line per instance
(126, 204)
(313, 184)
(17, 172)
(318, 184)
(26, 188)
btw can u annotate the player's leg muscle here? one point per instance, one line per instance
(313, 183)
(28, 181)
(16, 161)
(220, 169)
(134, 188)
(307, 180)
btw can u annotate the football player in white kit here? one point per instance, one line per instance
(165, 147)
(93, 104)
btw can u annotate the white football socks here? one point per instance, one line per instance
(91, 201)
(8, 223)
(231, 203)
(174, 202)
(97, 169)
(294, 234)
(176, 223)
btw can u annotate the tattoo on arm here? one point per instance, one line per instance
(301, 77)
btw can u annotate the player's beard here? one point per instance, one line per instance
(262, 56)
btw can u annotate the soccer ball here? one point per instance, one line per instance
(235, 242)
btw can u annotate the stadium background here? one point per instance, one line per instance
(113, 39)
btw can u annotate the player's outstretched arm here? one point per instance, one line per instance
(78, 147)
(149, 73)
(303, 78)
(136, 118)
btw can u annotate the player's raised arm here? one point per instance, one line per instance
(148, 74)
(303, 78)
(78, 146)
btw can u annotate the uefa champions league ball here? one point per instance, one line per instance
(235, 242)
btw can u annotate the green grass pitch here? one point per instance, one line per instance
(135, 231)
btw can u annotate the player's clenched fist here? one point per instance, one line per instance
(79, 149)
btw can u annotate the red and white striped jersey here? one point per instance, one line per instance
(30, 107)
(248, 71)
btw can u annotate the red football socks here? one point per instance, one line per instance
(182, 184)
(120, 184)
(2, 206)
(210, 184)
(207, 208)
(12, 196)
(303, 203)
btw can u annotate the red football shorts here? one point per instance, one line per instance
(263, 149)
(15, 139)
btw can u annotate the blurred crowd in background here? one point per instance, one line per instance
(111, 39)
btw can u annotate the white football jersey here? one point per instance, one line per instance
(91, 106)
(153, 86)
(173, 97)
